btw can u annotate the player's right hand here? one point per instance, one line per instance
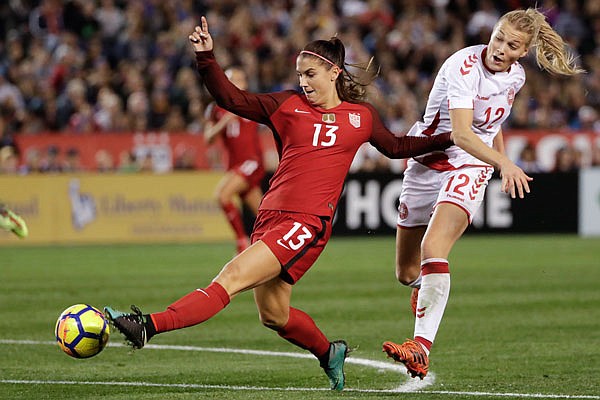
(200, 38)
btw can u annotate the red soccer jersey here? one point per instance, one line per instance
(240, 138)
(316, 146)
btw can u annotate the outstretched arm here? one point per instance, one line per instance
(405, 146)
(410, 146)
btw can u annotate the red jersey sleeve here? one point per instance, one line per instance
(404, 146)
(256, 107)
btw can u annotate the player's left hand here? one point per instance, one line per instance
(514, 180)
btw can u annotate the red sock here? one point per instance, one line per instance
(192, 309)
(302, 331)
(235, 219)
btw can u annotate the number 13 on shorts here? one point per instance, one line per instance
(296, 237)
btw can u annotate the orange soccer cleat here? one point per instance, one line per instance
(411, 354)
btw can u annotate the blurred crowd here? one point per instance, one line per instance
(85, 66)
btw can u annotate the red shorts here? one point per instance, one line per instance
(252, 171)
(296, 239)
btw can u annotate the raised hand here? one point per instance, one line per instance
(200, 38)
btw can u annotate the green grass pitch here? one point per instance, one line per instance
(523, 321)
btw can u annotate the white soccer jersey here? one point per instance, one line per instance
(464, 82)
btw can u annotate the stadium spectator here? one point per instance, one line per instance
(33, 162)
(72, 161)
(104, 161)
(9, 163)
(588, 119)
(127, 162)
(73, 110)
(472, 96)
(245, 170)
(185, 159)
(527, 160)
(51, 162)
(111, 21)
(174, 121)
(566, 159)
(10, 95)
(295, 217)
(196, 116)
(138, 109)
(109, 115)
(145, 162)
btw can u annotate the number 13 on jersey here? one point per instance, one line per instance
(325, 138)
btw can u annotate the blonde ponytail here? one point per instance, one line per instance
(550, 49)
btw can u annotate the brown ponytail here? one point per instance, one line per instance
(349, 87)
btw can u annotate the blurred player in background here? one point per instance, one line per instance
(472, 96)
(317, 133)
(12, 222)
(245, 170)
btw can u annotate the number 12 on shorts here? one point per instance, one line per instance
(296, 237)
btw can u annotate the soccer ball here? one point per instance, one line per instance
(82, 331)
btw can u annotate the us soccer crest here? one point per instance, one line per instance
(354, 119)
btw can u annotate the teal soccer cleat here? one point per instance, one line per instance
(131, 325)
(338, 351)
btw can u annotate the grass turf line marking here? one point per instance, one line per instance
(412, 386)
(293, 389)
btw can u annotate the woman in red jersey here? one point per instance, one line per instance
(317, 133)
(245, 170)
(472, 96)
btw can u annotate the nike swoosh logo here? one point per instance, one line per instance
(279, 242)
(301, 111)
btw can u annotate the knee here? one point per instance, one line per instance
(426, 248)
(407, 273)
(233, 278)
(272, 320)
(405, 278)
(223, 199)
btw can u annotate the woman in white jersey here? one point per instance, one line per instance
(471, 97)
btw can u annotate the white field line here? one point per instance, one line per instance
(412, 385)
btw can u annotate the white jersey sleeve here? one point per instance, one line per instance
(464, 82)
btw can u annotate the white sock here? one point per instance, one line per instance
(433, 297)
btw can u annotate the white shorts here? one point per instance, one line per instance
(424, 188)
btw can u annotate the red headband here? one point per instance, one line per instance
(319, 56)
